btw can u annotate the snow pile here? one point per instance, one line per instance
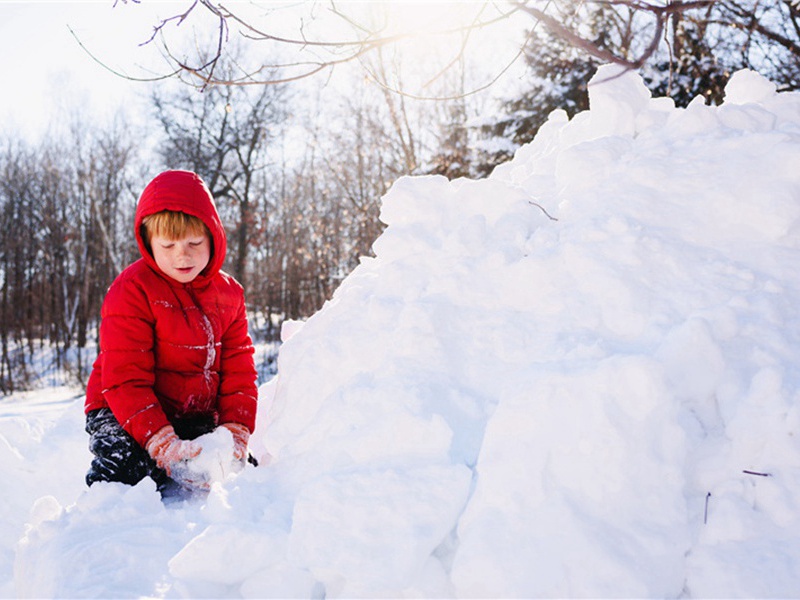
(576, 378)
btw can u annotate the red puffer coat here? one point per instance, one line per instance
(170, 350)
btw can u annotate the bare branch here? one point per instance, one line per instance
(659, 12)
(326, 54)
(355, 49)
(574, 39)
(114, 71)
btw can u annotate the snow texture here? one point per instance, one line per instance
(214, 464)
(577, 378)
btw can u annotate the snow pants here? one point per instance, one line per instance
(118, 457)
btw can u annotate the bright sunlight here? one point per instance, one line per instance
(446, 47)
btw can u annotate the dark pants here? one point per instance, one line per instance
(118, 457)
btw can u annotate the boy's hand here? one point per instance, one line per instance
(168, 450)
(241, 435)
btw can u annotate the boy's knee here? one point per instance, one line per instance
(117, 456)
(122, 468)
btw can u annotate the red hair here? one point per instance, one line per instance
(172, 225)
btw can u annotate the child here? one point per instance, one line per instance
(175, 359)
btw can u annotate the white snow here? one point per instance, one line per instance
(577, 378)
(214, 464)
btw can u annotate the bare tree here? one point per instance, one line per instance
(63, 201)
(17, 251)
(225, 134)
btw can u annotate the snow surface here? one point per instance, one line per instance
(577, 378)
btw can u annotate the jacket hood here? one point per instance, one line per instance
(182, 191)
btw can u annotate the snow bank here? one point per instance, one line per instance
(576, 378)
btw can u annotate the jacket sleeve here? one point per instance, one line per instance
(238, 393)
(128, 361)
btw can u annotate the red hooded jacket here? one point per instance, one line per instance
(170, 350)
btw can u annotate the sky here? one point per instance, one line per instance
(45, 67)
(50, 72)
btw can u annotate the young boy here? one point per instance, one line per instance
(175, 359)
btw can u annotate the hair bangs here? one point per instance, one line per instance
(173, 225)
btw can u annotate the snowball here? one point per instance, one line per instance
(215, 461)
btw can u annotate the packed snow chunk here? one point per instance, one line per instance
(282, 581)
(617, 96)
(696, 120)
(533, 161)
(747, 86)
(411, 199)
(371, 533)
(215, 461)
(290, 327)
(749, 100)
(368, 423)
(693, 361)
(748, 117)
(228, 554)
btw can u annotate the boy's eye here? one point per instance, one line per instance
(195, 243)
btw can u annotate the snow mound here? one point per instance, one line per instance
(576, 378)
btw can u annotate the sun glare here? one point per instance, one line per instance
(424, 19)
(435, 37)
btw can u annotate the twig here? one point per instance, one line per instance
(705, 513)
(540, 207)
(179, 18)
(757, 473)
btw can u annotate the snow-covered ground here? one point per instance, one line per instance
(578, 378)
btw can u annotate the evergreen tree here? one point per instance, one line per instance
(453, 157)
(557, 78)
(693, 68)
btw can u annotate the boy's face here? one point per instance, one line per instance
(182, 259)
